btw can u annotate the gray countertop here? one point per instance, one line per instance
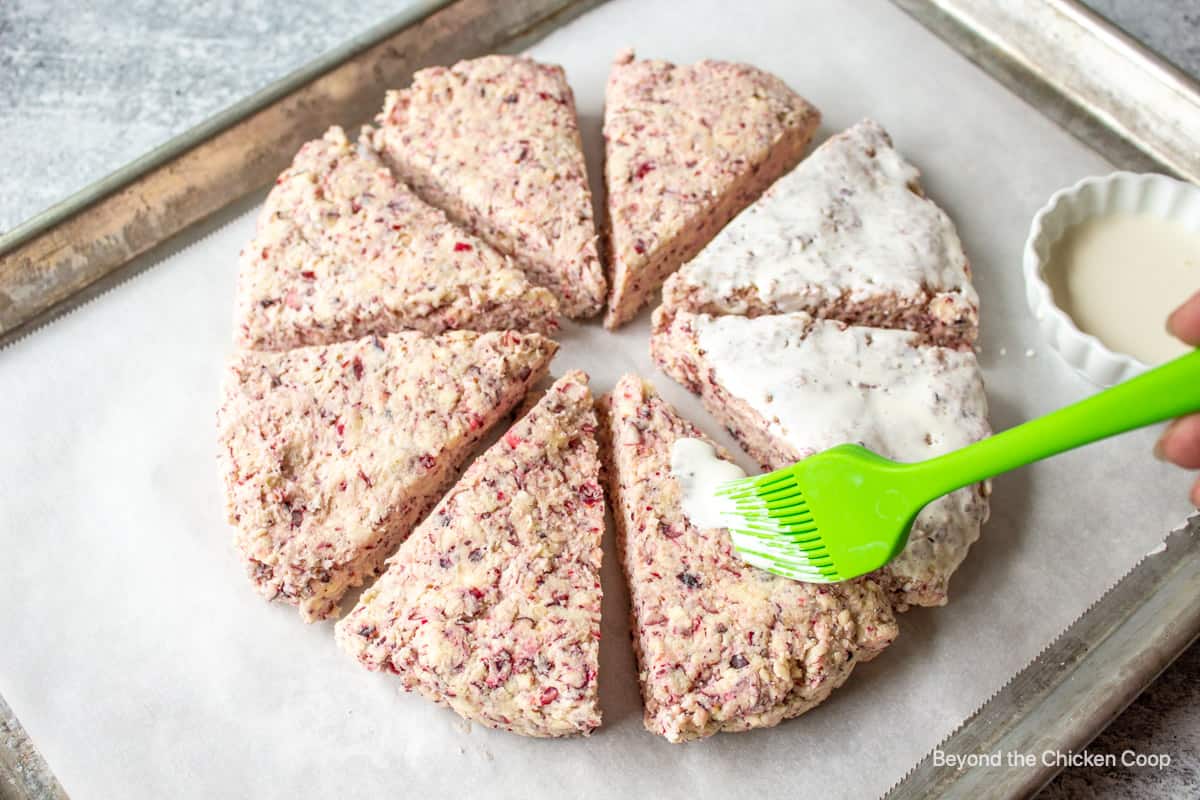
(88, 86)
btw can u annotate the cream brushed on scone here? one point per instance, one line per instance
(850, 235)
(788, 386)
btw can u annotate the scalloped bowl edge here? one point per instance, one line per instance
(1097, 196)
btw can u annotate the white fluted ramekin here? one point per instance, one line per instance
(1120, 192)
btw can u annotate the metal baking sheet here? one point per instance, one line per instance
(95, 238)
(1138, 110)
(62, 257)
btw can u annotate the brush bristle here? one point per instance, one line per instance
(776, 530)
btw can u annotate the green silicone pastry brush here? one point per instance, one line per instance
(846, 511)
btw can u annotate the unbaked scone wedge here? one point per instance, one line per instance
(686, 149)
(787, 386)
(495, 143)
(492, 607)
(344, 250)
(721, 645)
(331, 454)
(847, 235)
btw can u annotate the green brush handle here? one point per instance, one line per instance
(1166, 392)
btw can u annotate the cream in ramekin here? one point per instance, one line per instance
(1130, 239)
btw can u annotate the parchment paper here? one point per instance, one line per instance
(138, 658)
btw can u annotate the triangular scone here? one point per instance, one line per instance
(344, 250)
(495, 143)
(687, 148)
(847, 235)
(332, 453)
(492, 607)
(787, 386)
(721, 645)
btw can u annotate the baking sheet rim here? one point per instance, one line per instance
(1045, 671)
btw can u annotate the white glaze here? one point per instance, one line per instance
(819, 384)
(698, 470)
(1120, 275)
(844, 221)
